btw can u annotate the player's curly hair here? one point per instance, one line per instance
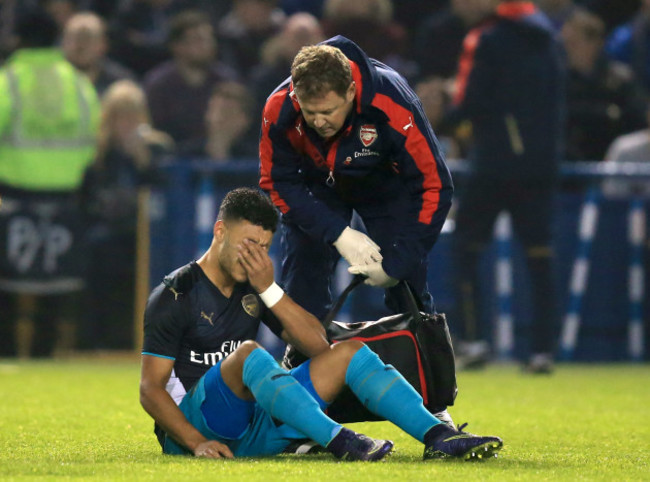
(248, 204)
(317, 69)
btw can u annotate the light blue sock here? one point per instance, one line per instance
(284, 398)
(385, 392)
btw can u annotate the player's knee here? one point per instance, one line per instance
(233, 365)
(347, 349)
(246, 348)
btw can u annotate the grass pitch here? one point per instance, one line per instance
(81, 420)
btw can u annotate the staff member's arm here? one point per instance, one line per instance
(300, 328)
(419, 161)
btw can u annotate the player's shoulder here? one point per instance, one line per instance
(175, 287)
(181, 281)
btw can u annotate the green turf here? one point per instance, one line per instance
(81, 420)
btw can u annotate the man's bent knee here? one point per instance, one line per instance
(347, 349)
(246, 348)
(232, 368)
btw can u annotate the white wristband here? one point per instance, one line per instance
(272, 295)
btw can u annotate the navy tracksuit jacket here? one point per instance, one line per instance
(385, 164)
(510, 85)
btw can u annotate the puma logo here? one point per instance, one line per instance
(208, 317)
(409, 125)
(176, 293)
(298, 128)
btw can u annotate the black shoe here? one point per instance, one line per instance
(443, 442)
(349, 445)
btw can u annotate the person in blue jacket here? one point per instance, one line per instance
(345, 133)
(510, 86)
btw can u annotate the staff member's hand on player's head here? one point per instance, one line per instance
(257, 263)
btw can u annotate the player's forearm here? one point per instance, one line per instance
(301, 328)
(160, 406)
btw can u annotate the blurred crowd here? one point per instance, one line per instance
(196, 59)
(188, 78)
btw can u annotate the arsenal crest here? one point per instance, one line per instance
(368, 134)
(251, 305)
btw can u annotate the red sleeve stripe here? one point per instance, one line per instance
(358, 82)
(270, 117)
(419, 150)
(466, 64)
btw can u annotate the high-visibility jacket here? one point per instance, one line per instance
(49, 114)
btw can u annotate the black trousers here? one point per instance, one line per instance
(530, 205)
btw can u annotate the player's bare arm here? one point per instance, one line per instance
(160, 405)
(301, 328)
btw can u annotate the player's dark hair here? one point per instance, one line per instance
(252, 205)
(317, 69)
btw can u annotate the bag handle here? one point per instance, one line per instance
(356, 281)
(411, 300)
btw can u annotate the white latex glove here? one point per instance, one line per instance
(375, 275)
(357, 248)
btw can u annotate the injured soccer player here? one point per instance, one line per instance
(214, 392)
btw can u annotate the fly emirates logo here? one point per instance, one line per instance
(211, 359)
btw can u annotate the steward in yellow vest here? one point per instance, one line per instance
(49, 115)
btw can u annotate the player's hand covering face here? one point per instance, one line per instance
(243, 253)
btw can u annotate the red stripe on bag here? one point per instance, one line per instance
(423, 382)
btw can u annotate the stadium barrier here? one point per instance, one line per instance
(600, 244)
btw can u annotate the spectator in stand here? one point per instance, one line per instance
(243, 31)
(632, 147)
(178, 91)
(604, 100)
(278, 52)
(630, 44)
(85, 45)
(439, 38)
(127, 148)
(139, 32)
(370, 24)
(558, 11)
(229, 122)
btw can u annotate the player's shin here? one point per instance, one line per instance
(284, 398)
(385, 392)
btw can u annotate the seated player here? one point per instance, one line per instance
(213, 392)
